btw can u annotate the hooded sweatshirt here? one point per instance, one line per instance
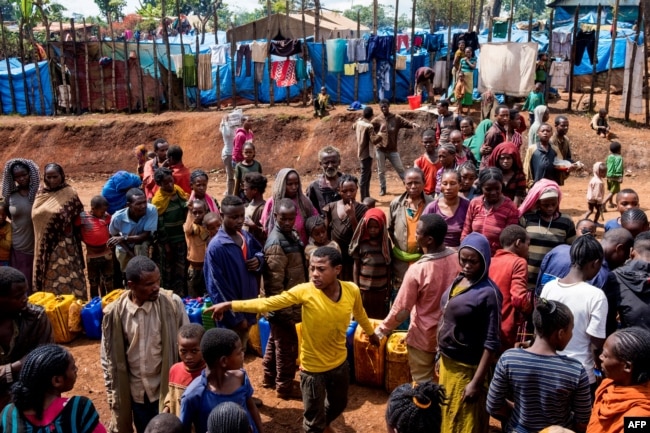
(615, 402)
(634, 294)
(471, 318)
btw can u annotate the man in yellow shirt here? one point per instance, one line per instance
(327, 304)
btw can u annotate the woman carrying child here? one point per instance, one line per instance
(370, 249)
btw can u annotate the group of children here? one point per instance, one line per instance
(611, 172)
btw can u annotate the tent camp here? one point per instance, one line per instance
(282, 27)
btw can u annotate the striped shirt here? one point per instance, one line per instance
(545, 236)
(547, 390)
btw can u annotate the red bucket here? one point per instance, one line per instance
(415, 102)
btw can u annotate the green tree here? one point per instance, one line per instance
(111, 9)
(428, 12)
(365, 16)
(523, 8)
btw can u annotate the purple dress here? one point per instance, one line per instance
(454, 223)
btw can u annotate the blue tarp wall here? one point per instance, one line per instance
(33, 94)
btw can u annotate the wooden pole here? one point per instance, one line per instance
(356, 69)
(127, 70)
(101, 72)
(87, 60)
(255, 83)
(170, 74)
(472, 14)
(64, 80)
(511, 19)
(550, 44)
(594, 64)
(573, 56)
(611, 53)
(449, 33)
(233, 45)
(632, 60)
(305, 52)
(218, 75)
(394, 84)
(268, 57)
(156, 76)
(140, 77)
(75, 69)
(11, 83)
(114, 78)
(480, 16)
(322, 67)
(375, 26)
(530, 26)
(22, 65)
(646, 75)
(196, 61)
(180, 25)
(412, 71)
(38, 79)
(490, 27)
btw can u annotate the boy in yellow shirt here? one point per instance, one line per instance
(327, 304)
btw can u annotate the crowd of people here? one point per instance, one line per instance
(511, 309)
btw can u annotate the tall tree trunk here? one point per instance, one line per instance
(316, 20)
(496, 8)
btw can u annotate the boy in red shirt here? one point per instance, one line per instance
(509, 270)
(428, 162)
(95, 234)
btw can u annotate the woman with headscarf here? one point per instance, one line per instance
(541, 116)
(20, 183)
(507, 158)
(546, 225)
(287, 185)
(58, 258)
(468, 339)
(370, 249)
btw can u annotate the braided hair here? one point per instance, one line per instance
(415, 408)
(197, 174)
(8, 182)
(228, 417)
(550, 316)
(41, 365)
(633, 345)
(585, 249)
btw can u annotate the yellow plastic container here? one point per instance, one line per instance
(397, 362)
(58, 311)
(41, 298)
(368, 359)
(111, 297)
(254, 340)
(299, 332)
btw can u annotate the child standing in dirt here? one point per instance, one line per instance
(94, 234)
(596, 191)
(614, 172)
(248, 165)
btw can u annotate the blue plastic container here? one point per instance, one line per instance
(265, 333)
(91, 318)
(349, 345)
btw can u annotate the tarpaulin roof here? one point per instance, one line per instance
(30, 80)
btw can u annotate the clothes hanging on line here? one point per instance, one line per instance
(189, 70)
(400, 63)
(636, 64)
(418, 40)
(205, 72)
(500, 29)
(381, 47)
(356, 50)
(286, 47)
(284, 73)
(440, 79)
(259, 71)
(259, 51)
(177, 60)
(301, 69)
(559, 73)
(362, 68)
(243, 55)
(383, 78)
(433, 43)
(508, 59)
(220, 54)
(585, 41)
(348, 69)
(470, 38)
(335, 49)
(561, 45)
(401, 40)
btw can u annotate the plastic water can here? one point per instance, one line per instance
(397, 362)
(368, 359)
(91, 318)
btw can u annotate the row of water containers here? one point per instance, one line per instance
(384, 366)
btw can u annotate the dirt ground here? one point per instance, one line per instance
(91, 147)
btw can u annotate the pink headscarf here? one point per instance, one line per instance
(536, 191)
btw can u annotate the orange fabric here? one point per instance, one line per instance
(430, 169)
(615, 402)
(411, 224)
(244, 247)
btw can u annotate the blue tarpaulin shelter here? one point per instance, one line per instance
(33, 100)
